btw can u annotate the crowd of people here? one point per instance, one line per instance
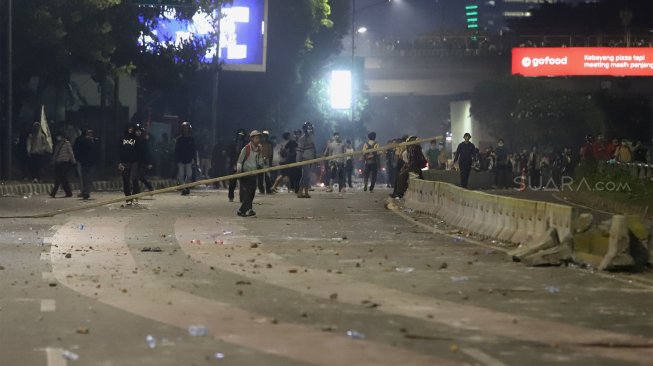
(538, 166)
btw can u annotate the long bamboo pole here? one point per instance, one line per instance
(219, 179)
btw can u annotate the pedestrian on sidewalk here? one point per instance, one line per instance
(401, 158)
(306, 151)
(249, 160)
(349, 163)
(128, 164)
(371, 162)
(38, 148)
(144, 156)
(465, 154)
(235, 148)
(337, 166)
(414, 162)
(63, 160)
(87, 152)
(185, 156)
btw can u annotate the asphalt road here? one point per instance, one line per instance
(285, 288)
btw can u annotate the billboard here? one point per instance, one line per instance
(582, 61)
(242, 29)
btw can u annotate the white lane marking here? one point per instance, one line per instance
(54, 357)
(349, 290)
(115, 281)
(482, 357)
(45, 256)
(48, 305)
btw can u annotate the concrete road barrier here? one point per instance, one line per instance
(504, 218)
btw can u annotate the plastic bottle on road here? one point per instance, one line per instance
(68, 355)
(198, 330)
(355, 335)
(151, 341)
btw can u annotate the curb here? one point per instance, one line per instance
(98, 186)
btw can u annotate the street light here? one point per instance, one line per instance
(355, 31)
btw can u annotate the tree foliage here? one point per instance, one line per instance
(524, 112)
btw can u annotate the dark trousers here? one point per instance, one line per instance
(35, 162)
(247, 193)
(130, 179)
(327, 174)
(232, 186)
(86, 176)
(535, 178)
(349, 170)
(295, 178)
(501, 176)
(391, 174)
(464, 175)
(369, 173)
(338, 174)
(397, 171)
(264, 183)
(142, 170)
(404, 177)
(61, 178)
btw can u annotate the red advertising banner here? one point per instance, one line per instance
(582, 61)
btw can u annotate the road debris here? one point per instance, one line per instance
(82, 330)
(219, 355)
(198, 330)
(68, 355)
(404, 269)
(459, 278)
(151, 341)
(552, 289)
(355, 335)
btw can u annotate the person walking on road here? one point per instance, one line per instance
(235, 148)
(371, 162)
(464, 156)
(306, 151)
(128, 164)
(185, 155)
(63, 160)
(250, 159)
(349, 163)
(337, 166)
(87, 152)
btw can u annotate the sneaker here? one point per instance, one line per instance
(241, 214)
(81, 195)
(231, 199)
(251, 213)
(365, 189)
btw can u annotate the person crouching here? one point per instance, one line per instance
(249, 160)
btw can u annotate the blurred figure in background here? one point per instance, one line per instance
(63, 160)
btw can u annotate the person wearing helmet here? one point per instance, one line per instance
(128, 163)
(305, 151)
(249, 159)
(236, 146)
(371, 160)
(185, 155)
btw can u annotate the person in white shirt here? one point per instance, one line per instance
(249, 160)
(337, 166)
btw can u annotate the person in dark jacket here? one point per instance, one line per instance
(502, 167)
(185, 155)
(465, 154)
(235, 148)
(144, 156)
(87, 152)
(128, 163)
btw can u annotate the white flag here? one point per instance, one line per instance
(45, 128)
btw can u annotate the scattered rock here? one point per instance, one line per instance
(82, 330)
(69, 255)
(293, 270)
(254, 245)
(444, 265)
(333, 296)
(243, 283)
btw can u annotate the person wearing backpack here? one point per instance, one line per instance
(250, 159)
(371, 162)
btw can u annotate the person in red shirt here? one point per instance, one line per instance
(612, 148)
(600, 148)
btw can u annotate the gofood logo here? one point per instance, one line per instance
(537, 62)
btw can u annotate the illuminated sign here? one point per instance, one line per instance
(582, 61)
(340, 89)
(243, 33)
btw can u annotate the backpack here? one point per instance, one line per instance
(370, 157)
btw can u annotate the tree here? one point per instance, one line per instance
(524, 112)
